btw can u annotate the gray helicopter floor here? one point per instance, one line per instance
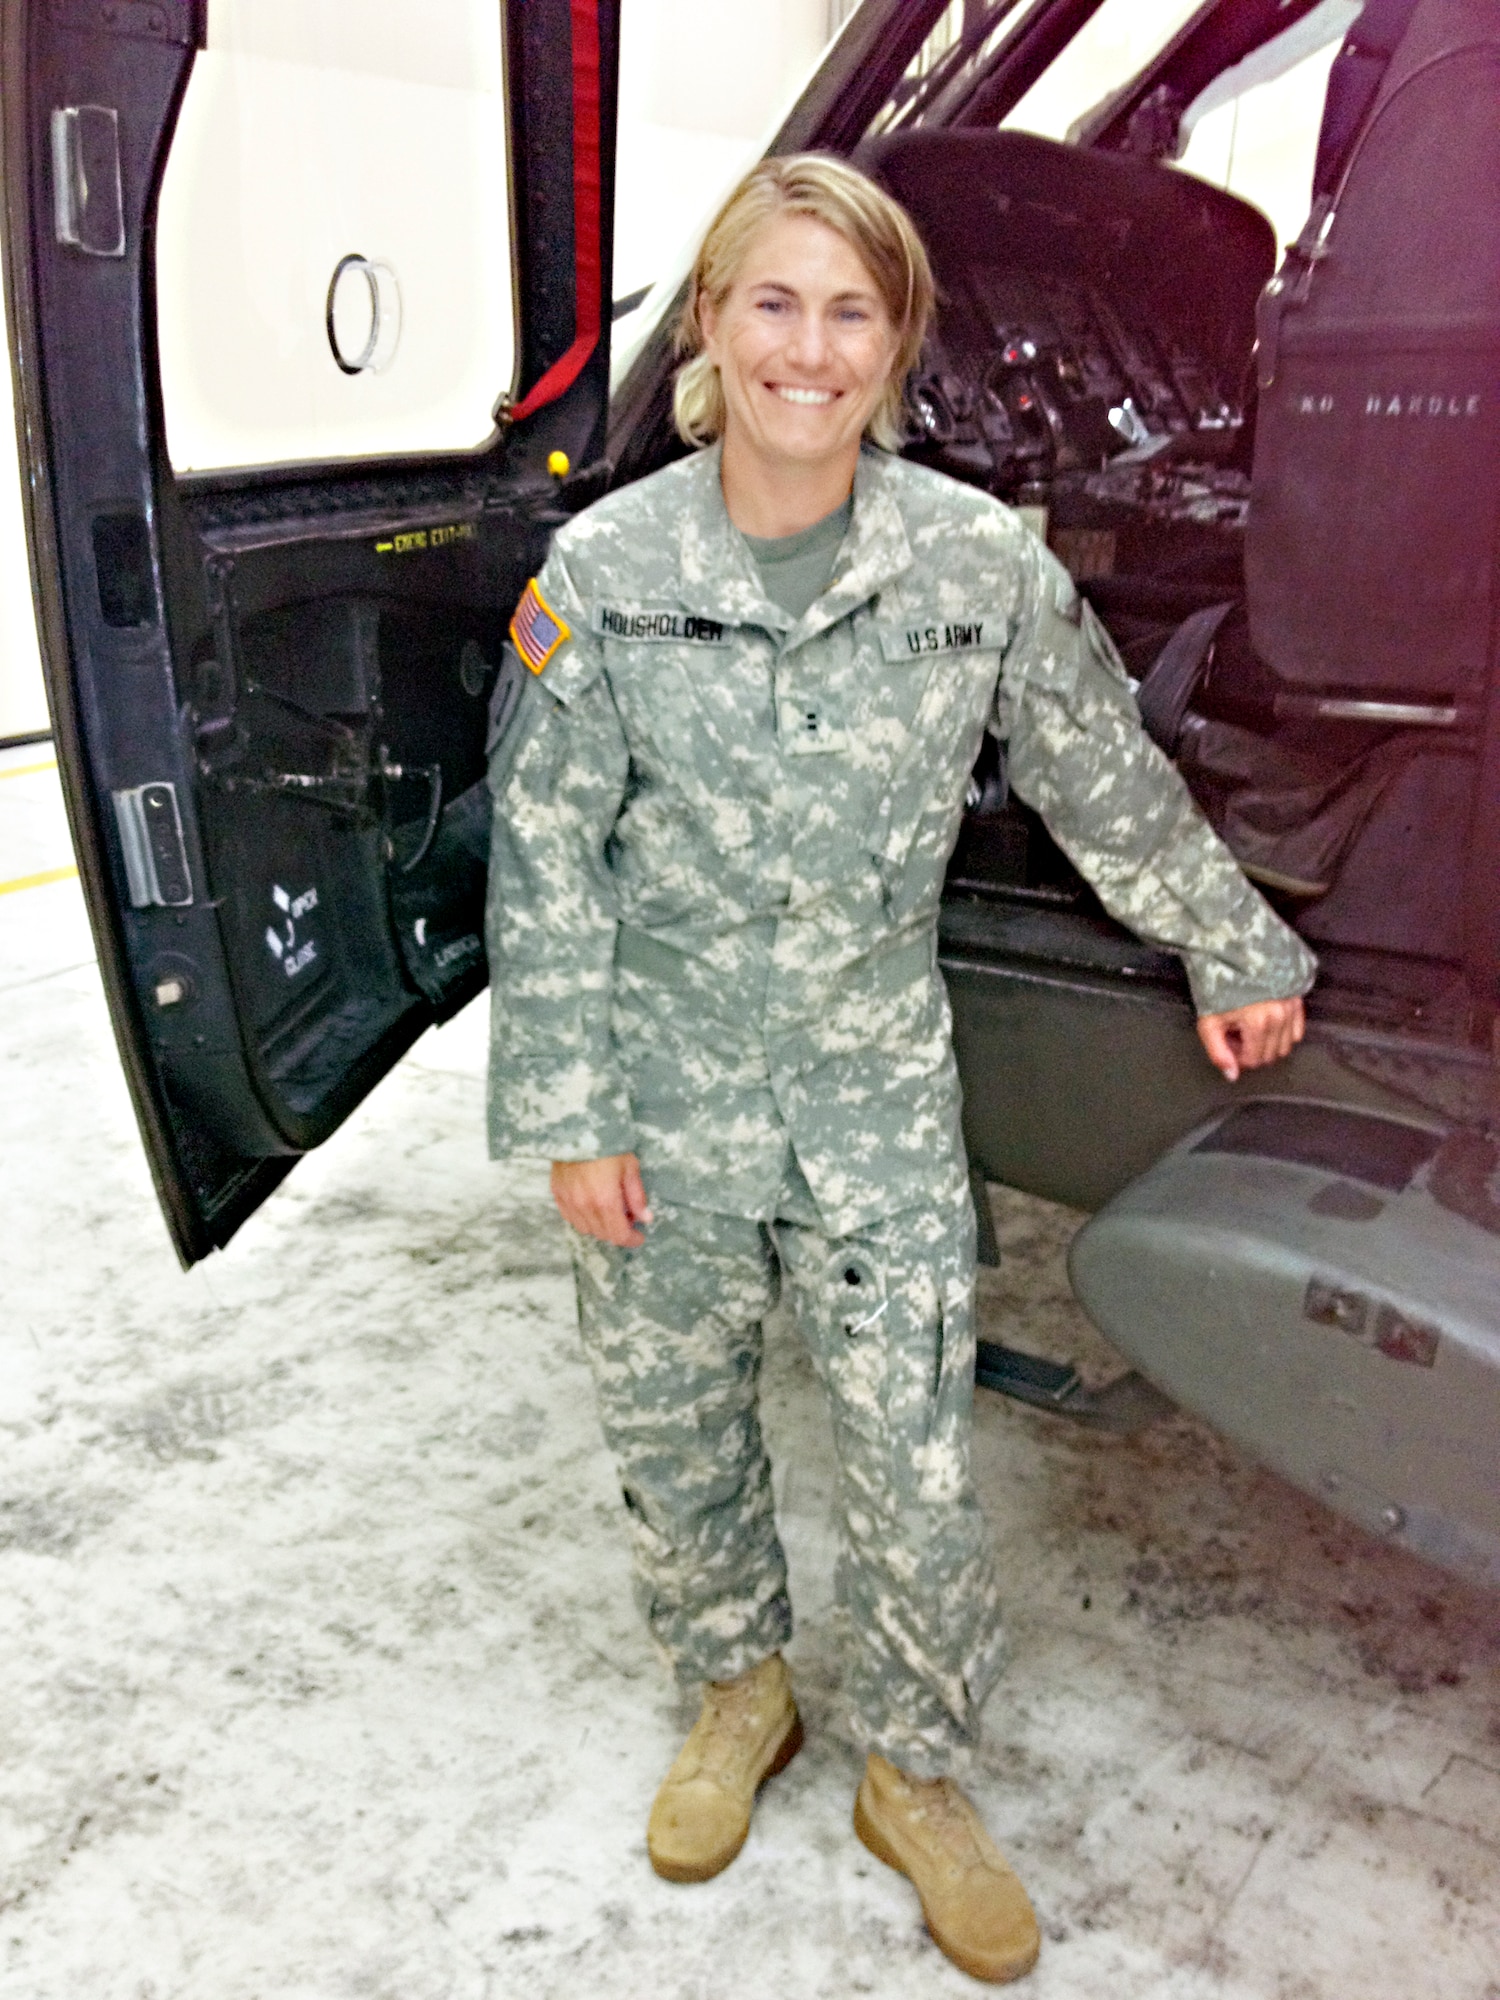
(321, 1677)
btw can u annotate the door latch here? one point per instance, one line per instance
(156, 864)
(88, 206)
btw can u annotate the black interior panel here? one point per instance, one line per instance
(340, 749)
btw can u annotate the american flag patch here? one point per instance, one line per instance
(536, 629)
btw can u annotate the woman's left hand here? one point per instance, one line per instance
(1249, 1037)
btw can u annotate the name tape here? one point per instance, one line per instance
(616, 621)
(957, 635)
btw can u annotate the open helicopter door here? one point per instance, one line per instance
(308, 308)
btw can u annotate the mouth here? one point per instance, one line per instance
(807, 399)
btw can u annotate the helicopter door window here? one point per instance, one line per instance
(1107, 51)
(333, 262)
(955, 49)
(1254, 130)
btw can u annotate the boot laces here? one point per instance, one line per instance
(735, 1713)
(941, 1808)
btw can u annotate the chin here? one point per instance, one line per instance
(800, 439)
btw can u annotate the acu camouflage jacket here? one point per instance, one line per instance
(720, 838)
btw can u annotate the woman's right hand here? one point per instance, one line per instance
(603, 1198)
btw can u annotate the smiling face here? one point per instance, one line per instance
(804, 348)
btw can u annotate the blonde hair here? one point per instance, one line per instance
(877, 229)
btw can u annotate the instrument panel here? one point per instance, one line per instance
(1041, 392)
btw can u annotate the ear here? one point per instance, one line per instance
(708, 326)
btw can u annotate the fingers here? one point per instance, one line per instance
(1256, 1031)
(602, 1198)
(1297, 1023)
(1270, 1031)
(601, 1213)
(634, 1189)
(1214, 1034)
(599, 1210)
(1250, 1037)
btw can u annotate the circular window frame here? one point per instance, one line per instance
(385, 315)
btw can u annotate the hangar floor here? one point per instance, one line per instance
(322, 1678)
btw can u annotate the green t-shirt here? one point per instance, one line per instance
(797, 569)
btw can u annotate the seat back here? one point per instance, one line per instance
(1370, 553)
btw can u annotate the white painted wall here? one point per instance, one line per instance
(702, 84)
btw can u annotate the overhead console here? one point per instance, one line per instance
(1092, 348)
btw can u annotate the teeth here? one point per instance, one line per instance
(804, 395)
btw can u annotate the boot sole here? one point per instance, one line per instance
(995, 1972)
(704, 1871)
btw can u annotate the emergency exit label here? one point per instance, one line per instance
(415, 539)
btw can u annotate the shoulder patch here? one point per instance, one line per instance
(536, 629)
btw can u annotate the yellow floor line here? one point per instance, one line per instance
(38, 881)
(26, 770)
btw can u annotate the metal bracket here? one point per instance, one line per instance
(88, 206)
(156, 864)
(1126, 1405)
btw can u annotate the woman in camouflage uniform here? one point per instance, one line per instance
(758, 682)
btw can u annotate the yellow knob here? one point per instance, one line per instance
(559, 464)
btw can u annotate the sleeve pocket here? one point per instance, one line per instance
(505, 698)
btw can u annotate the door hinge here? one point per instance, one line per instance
(156, 864)
(179, 22)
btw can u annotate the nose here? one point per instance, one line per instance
(809, 344)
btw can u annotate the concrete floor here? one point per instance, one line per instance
(322, 1678)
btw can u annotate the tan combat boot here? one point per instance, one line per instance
(748, 1731)
(976, 1909)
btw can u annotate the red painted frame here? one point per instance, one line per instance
(588, 260)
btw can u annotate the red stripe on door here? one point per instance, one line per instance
(588, 268)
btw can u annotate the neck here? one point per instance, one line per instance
(772, 499)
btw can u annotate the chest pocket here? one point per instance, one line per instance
(694, 699)
(959, 659)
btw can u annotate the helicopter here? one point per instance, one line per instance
(279, 514)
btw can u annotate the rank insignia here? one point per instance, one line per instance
(536, 629)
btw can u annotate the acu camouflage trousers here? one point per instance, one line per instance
(673, 1335)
